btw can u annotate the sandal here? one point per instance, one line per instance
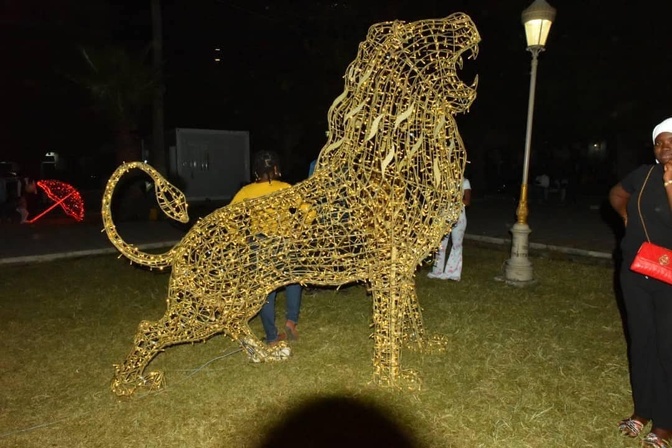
(281, 337)
(290, 329)
(653, 441)
(631, 427)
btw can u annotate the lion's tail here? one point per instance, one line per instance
(170, 199)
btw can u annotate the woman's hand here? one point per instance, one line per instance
(667, 174)
(618, 198)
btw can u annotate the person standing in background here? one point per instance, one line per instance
(27, 199)
(266, 167)
(452, 269)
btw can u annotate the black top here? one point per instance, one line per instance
(655, 211)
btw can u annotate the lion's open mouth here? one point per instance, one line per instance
(472, 53)
(443, 55)
(459, 94)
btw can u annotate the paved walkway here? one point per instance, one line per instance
(586, 228)
(578, 229)
(51, 239)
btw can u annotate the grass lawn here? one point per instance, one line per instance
(542, 366)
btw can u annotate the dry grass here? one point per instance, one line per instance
(543, 366)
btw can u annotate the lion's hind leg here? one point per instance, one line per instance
(128, 377)
(183, 322)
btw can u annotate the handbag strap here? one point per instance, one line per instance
(639, 205)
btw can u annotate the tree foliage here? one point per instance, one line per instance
(121, 86)
(120, 83)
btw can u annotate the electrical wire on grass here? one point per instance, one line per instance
(195, 371)
(155, 392)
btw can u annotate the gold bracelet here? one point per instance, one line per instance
(667, 183)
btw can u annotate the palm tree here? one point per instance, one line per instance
(158, 149)
(122, 86)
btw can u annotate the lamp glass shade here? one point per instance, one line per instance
(536, 32)
(538, 18)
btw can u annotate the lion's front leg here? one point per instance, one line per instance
(414, 334)
(390, 306)
(413, 331)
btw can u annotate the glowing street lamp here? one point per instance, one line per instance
(537, 18)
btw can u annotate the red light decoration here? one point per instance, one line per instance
(63, 195)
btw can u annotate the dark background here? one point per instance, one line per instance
(604, 78)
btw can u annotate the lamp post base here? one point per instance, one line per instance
(518, 271)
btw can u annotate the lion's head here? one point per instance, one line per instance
(404, 79)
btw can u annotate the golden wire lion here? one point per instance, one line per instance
(385, 191)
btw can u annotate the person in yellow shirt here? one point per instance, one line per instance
(266, 167)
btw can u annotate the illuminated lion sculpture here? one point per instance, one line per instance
(386, 189)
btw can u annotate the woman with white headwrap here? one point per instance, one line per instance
(648, 302)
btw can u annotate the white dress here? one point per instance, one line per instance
(452, 269)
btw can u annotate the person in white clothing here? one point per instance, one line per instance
(452, 269)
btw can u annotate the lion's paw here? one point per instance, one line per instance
(429, 344)
(122, 389)
(410, 380)
(406, 379)
(125, 387)
(153, 381)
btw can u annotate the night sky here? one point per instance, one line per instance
(605, 74)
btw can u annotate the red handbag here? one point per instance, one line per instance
(651, 260)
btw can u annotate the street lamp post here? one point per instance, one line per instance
(537, 18)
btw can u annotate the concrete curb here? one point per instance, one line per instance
(79, 253)
(159, 245)
(539, 246)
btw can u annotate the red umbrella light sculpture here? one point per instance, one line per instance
(63, 195)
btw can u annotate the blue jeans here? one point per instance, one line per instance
(267, 313)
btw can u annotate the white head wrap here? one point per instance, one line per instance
(665, 126)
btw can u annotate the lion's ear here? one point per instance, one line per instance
(378, 30)
(401, 33)
(399, 28)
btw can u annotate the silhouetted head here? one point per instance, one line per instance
(338, 422)
(266, 166)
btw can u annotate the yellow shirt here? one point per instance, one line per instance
(256, 189)
(266, 220)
